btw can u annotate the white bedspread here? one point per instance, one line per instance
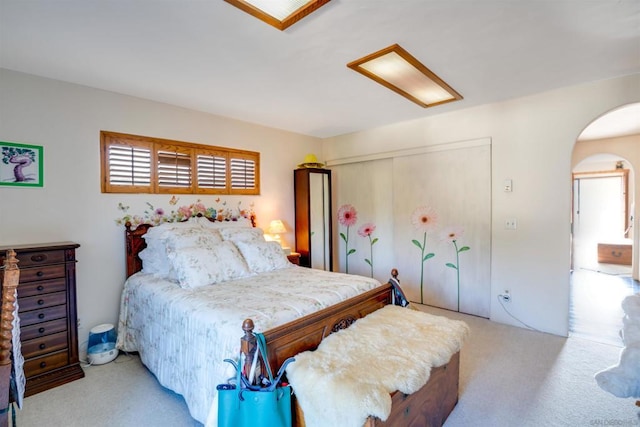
(183, 335)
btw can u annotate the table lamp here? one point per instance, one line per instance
(276, 228)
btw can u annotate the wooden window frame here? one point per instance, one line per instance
(188, 150)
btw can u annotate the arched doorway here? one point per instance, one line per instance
(604, 225)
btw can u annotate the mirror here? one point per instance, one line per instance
(312, 188)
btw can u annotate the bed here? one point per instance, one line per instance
(182, 332)
(162, 314)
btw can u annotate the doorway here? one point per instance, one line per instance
(603, 228)
(602, 250)
(601, 221)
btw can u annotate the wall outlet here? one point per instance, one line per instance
(505, 296)
(510, 223)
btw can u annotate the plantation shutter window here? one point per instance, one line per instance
(127, 167)
(174, 169)
(139, 164)
(212, 172)
(243, 173)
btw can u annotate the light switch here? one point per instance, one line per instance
(508, 186)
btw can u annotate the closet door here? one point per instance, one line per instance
(312, 188)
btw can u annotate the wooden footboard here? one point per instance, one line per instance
(307, 332)
(430, 406)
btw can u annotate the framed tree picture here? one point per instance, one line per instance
(21, 165)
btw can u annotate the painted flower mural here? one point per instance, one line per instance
(366, 230)
(347, 217)
(423, 219)
(155, 216)
(454, 234)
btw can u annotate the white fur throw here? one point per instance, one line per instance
(352, 373)
(623, 380)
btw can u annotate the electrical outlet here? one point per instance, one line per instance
(505, 296)
(510, 223)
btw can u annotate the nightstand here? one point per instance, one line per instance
(294, 258)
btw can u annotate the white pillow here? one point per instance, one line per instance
(240, 222)
(154, 256)
(155, 261)
(263, 256)
(242, 234)
(159, 231)
(198, 266)
(180, 238)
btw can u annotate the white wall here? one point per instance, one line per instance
(532, 142)
(66, 119)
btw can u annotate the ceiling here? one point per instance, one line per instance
(212, 57)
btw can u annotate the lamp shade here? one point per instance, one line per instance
(276, 227)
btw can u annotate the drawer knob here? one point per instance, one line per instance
(42, 346)
(40, 301)
(38, 258)
(43, 364)
(41, 316)
(41, 330)
(40, 273)
(40, 288)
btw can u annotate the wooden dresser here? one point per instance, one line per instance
(48, 317)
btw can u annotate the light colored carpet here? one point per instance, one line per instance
(508, 377)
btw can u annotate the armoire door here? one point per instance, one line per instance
(312, 188)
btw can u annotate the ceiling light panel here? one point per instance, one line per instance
(396, 69)
(278, 13)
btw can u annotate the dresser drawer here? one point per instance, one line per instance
(44, 315)
(42, 287)
(29, 259)
(41, 273)
(43, 364)
(48, 344)
(41, 301)
(43, 329)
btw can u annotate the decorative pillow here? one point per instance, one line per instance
(180, 238)
(240, 222)
(263, 256)
(159, 231)
(198, 266)
(153, 261)
(242, 234)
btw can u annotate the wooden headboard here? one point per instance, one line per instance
(134, 243)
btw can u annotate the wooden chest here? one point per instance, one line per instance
(614, 253)
(428, 407)
(47, 310)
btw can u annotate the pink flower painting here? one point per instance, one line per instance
(366, 230)
(347, 216)
(454, 234)
(423, 219)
